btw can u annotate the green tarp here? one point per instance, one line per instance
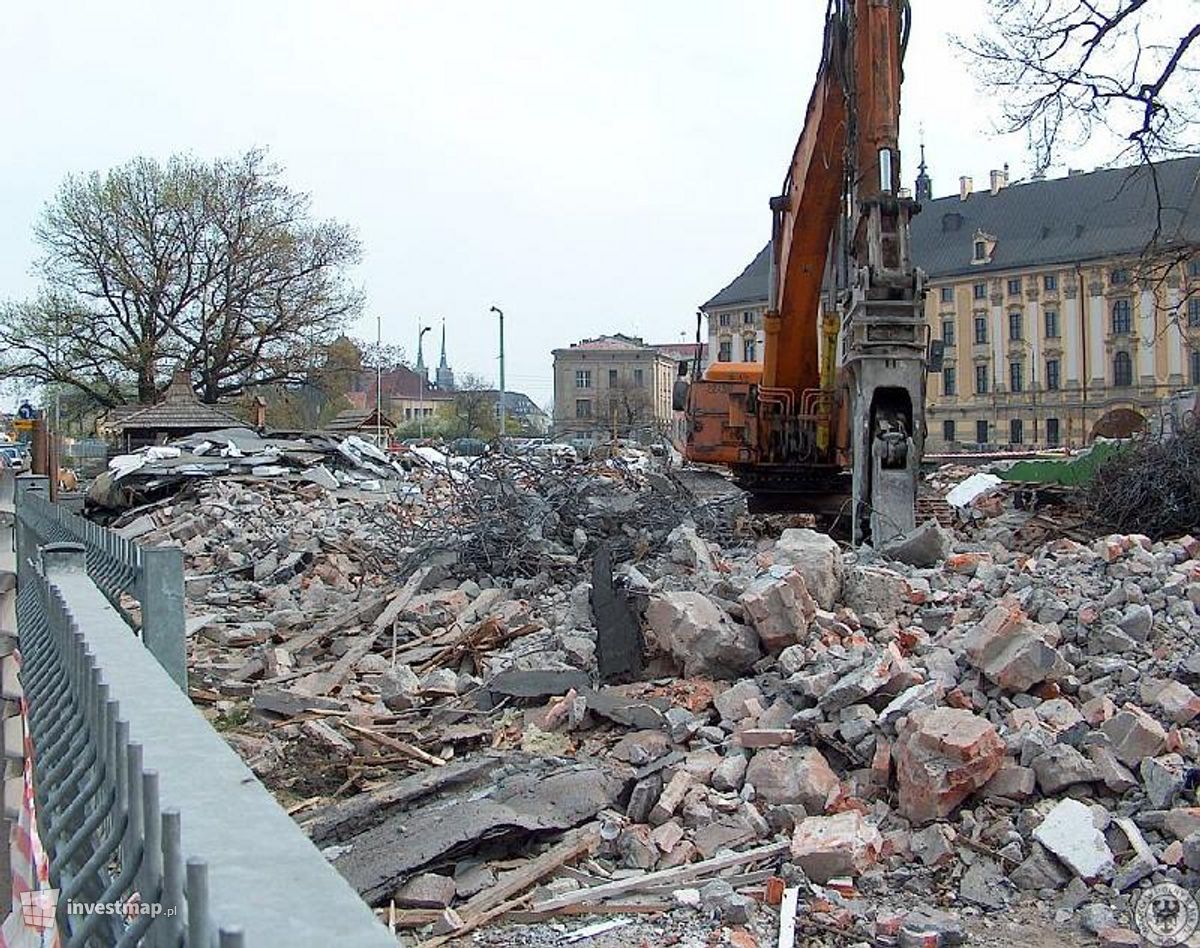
(1066, 472)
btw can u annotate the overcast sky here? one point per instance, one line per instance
(588, 168)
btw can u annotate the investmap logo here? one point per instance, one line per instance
(37, 909)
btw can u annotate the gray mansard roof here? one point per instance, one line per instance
(1059, 221)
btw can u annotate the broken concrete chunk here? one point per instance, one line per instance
(742, 700)
(1134, 735)
(700, 635)
(942, 756)
(668, 802)
(819, 560)
(1069, 832)
(925, 546)
(400, 688)
(426, 891)
(641, 747)
(779, 607)
(1012, 651)
(873, 589)
(793, 775)
(841, 845)
(1060, 767)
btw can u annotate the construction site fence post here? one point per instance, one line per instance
(163, 620)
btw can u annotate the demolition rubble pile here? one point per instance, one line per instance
(906, 741)
(161, 471)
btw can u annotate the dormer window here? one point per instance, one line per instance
(984, 245)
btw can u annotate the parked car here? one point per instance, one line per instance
(14, 457)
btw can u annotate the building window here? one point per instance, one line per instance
(583, 378)
(1194, 268)
(1052, 432)
(948, 430)
(1121, 320)
(1016, 431)
(949, 380)
(723, 320)
(948, 332)
(1051, 324)
(1016, 327)
(1050, 282)
(639, 378)
(612, 378)
(979, 291)
(980, 251)
(1193, 311)
(981, 431)
(725, 351)
(947, 294)
(748, 350)
(583, 408)
(1194, 367)
(1016, 376)
(981, 379)
(1052, 375)
(1119, 277)
(1014, 286)
(1122, 370)
(747, 319)
(980, 330)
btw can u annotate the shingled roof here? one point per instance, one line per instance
(751, 284)
(179, 410)
(1076, 219)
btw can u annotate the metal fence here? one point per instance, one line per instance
(140, 805)
(119, 567)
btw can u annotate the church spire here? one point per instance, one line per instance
(924, 182)
(445, 375)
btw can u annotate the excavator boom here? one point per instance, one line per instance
(833, 420)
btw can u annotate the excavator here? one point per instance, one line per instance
(832, 420)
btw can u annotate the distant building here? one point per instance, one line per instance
(366, 421)
(614, 383)
(406, 396)
(521, 408)
(1053, 330)
(735, 315)
(178, 414)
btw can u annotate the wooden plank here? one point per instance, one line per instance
(787, 917)
(654, 907)
(470, 925)
(401, 599)
(321, 683)
(568, 850)
(400, 747)
(677, 874)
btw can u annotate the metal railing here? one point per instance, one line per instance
(141, 805)
(151, 575)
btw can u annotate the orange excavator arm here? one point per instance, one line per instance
(806, 215)
(842, 384)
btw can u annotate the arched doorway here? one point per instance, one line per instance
(1119, 423)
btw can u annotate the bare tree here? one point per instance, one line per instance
(472, 413)
(214, 268)
(1065, 68)
(630, 407)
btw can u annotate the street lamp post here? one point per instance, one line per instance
(379, 380)
(421, 400)
(503, 412)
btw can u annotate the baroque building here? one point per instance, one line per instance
(1057, 325)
